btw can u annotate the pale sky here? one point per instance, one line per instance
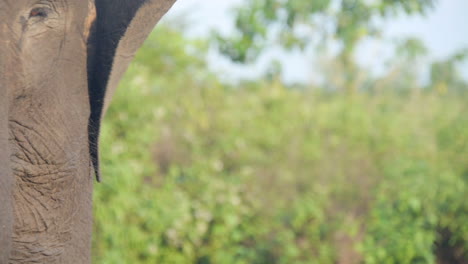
(444, 30)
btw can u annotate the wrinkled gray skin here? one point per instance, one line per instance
(60, 61)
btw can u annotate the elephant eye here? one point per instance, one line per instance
(39, 12)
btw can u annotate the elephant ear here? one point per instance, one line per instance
(119, 29)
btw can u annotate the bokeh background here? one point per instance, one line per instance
(272, 131)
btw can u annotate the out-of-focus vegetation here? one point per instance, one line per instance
(302, 23)
(199, 171)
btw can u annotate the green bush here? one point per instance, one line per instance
(196, 171)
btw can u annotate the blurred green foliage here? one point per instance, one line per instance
(197, 171)
(302, 23)
(329, 27)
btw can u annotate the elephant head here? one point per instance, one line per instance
(60, 62)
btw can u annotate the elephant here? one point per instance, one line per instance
(60, 63)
